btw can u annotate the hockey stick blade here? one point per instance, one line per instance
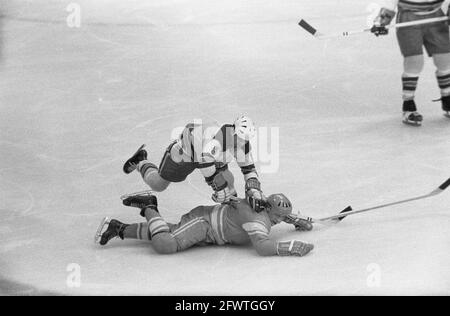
(445, 185)
(437, 191)
(308, 28)
(348, 209)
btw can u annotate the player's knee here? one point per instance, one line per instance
(414, 65)
(442, 63)
(157, 183)
(164, 244)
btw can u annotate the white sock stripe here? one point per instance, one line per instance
(156, 226)
(154, 219)
(160, 230)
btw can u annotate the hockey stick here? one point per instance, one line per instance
(348, 211)
(313, 31)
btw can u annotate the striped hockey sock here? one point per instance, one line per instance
(142, 232)
(409, 87)
(146, 168)
(444, 83)
(156, 224)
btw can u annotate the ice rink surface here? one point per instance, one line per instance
(76, 102)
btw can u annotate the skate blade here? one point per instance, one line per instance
(411, 123)
(99, 233)
(447, 114)
(141, 193)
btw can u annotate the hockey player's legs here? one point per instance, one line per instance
(174, 166)
(411, 42)
(436, 36)
(442, 62)
(194, 229)
(410, 39)
(155, 181)
(437, 44)
(412, 68)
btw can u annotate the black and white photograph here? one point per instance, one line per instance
(232, 150)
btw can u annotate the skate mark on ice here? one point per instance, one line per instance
(101, 164)
(148, 122)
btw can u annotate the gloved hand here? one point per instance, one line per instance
(383, 19)
(254, 195)
(294, 248)
(224, 196)
(299, 223)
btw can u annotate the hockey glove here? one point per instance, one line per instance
(222, 193)
(383, 19)
(224, 196)
(294, 248)
(254, 195)
(299, 223)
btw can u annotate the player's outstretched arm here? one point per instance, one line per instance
(259, 236)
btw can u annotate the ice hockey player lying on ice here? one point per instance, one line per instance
(236, 224)
(209, 148)
(435, 37)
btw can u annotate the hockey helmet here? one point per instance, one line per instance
(279, 204)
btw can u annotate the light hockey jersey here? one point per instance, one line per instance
(415, 5)
(209, 145)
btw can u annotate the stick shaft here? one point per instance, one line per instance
(356, 32)
(376, 207)
(346, 213)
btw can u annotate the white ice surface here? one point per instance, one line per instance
(75, 103)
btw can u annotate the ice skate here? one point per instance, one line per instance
(114, 229)
(410, 114)
(142, 201)
(446, 105)
(412, 118)
(131, 164)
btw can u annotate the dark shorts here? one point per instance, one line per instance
(175, 171)
(434, 37)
